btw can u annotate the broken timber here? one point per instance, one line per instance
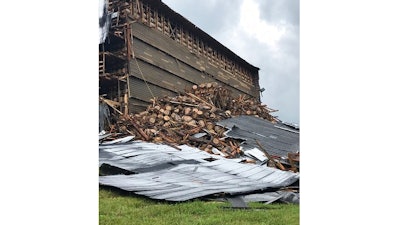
(175, 120)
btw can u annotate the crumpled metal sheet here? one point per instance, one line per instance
(269, 197)
(275, 138)
(184, 181)
(138, 154)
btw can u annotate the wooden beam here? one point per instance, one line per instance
(126, 104)
(276, 163)
(133, 122)
(111, 103)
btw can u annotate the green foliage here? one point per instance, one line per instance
(118, 209)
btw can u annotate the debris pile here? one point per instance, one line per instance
(194, 118)
(162, 172)
(191, 117)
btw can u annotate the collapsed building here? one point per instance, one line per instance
(147, 50)
(174, 85)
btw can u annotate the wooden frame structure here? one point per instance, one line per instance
(151, 51)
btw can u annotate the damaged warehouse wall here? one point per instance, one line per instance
(149, 50)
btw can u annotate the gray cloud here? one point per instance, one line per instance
(277, 11)
(283, 77)
(279, 67)
(212, 16)
(279, 75)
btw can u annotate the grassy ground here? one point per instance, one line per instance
(116, 208)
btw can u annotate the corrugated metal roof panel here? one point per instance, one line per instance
(275, 140)
(134, 155)
(183, 181)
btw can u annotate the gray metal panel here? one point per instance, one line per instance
(162, 191)
(275, 140)
(283, 196)
(191, 186)
(183, 181)
(144, 155)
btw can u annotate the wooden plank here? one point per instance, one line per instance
(139, 90)
(169, 63)
(181, 53)
(157, 76)
(126, 109)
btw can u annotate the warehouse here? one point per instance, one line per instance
(148, 51)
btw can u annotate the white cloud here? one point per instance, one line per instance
(252, 24)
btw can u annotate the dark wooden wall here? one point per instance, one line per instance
(166, 68)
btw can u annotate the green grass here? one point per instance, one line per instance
(116, 208)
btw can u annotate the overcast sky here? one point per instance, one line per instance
(265, 33)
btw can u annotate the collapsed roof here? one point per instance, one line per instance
(163, 172)
(278, 138)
